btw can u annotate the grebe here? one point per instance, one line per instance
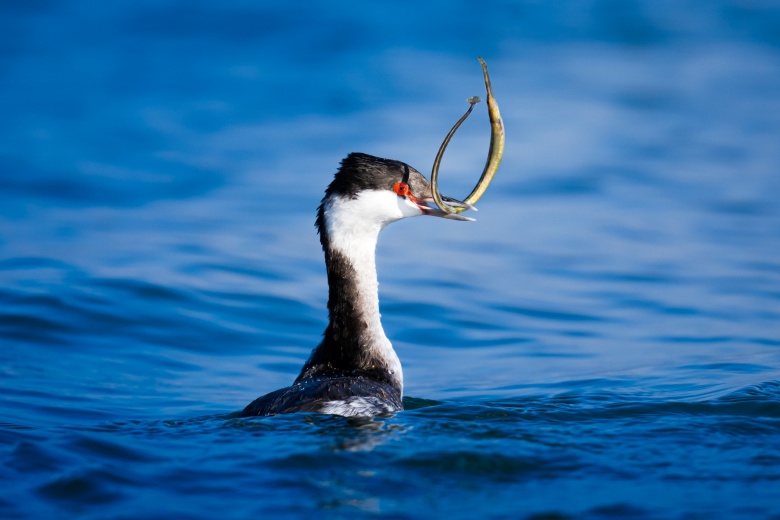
(355, 371)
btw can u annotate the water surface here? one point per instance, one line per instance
(602, 343)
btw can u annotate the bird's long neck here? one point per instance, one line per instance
(354, 339)
(353, 300)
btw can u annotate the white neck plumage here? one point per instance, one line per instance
(352, 226)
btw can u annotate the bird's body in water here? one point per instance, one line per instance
(355, 371)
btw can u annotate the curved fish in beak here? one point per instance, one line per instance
(427, 209)
(423, 203)
(495, 154)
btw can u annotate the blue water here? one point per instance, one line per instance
(603, 342)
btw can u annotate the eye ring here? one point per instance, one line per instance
(401, 189)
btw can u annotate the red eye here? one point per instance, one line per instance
(401, 189)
